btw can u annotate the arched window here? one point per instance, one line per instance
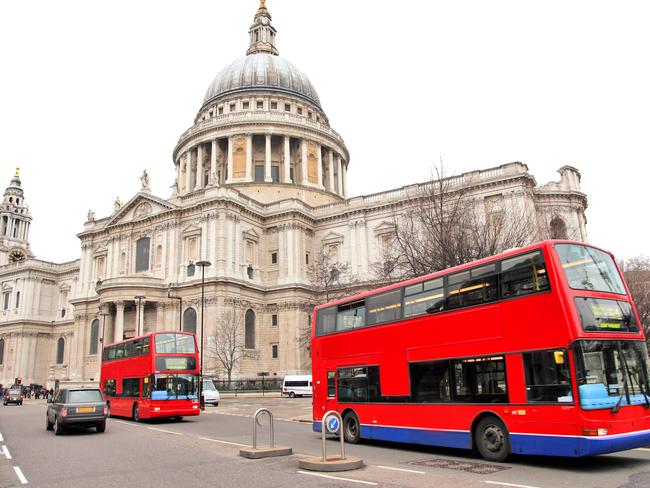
(558, 229)
(189, 320)
(60, 347)
(2, 351)
(142, 254)
(94, 336)
(249, 332)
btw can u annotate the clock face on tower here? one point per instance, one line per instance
(16, 256)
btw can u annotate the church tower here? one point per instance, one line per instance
(15, 220)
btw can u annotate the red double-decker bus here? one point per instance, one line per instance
(155, 375)
(534, 351)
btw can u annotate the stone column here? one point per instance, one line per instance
(339, 176)
(303, 162)
(250, 171)
(267, 160)
(212, 179)
(178, 175)
(188, 171)
(139, 321)
(119, 321)
(198, 184)
(319, 170)
(287, 160)
(345, 179)
(330, 172)
(160, 318)
(229, 178)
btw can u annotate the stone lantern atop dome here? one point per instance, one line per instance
(260, 130)
(15, 220)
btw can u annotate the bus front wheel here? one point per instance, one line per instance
(351, 428)
(492, 439)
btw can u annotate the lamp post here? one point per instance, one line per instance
(180, 306)
(139, 298)
(203, 265)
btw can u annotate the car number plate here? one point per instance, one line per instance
(85, 409)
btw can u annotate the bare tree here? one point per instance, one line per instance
(445, 227)
(227, 348)
(637, 275)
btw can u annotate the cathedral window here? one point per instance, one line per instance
(232, 107)
(275, 173)
(5, 300)
(307, 258)
(299, 110)
(245, 105)
(17, 299)
(100, 267)
(274, 320)
(558, 229)
(274, 105)
(259, 172)
(189, 320)
(2, 351)
(192, 249)
(158, 257)
(220, 110)
(309, 115)
(122, 263)
(287, 107)
(142, 254)
(260, 104)
(274, 351)
(60, 349)
(94, 336)
(249, 330)
(274, 257)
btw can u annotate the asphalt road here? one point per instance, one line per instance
(203, 451)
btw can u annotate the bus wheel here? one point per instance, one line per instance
(351, 428)
(292, 394)
(108, 409)
(136, 413)
(492, 439)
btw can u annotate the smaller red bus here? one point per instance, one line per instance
(155, 375)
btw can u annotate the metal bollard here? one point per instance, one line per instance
(256, 423)
(322, 428)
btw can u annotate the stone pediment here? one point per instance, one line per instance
(385, 228)
(140, 207)
(332, 238)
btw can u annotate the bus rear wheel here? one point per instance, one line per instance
(351, 428)
(136, 413)
(492, 439)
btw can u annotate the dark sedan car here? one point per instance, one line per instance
(14, 395)
(79, 407)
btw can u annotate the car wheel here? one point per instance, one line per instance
(292, 395)
(58, 426)
(492, 439)
(216, 404)
(178, 419)
(48, 425)
(351, 428)
(101, 427)
(136, 413)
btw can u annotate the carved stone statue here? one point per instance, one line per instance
(144, 179)
(91, 216)
(117, 204)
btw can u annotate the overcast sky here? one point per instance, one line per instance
(92, 93)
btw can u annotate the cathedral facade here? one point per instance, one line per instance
(261, 189)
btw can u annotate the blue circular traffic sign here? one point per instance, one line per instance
(332, 424)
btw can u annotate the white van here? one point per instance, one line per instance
(297, 385)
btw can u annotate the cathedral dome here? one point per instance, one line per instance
(262, 71)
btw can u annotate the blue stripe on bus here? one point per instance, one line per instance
(538, 444)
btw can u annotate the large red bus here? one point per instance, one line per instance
(537, 350)
(155, 375)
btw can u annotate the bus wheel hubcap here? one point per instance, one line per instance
(493, 438)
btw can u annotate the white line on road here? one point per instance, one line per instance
(402, 469)
(20, 475)
(127, 423)
(510, 484)
(339, 478)
(5, 451)
(223, 442)
(2, 439)
(165, 431)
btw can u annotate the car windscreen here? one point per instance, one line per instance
(85, 396)
(209, 385)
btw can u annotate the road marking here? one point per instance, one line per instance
(5, 451)
(165, 431)
(510, 484)
(2, 439)
(339, 478)
(20, 475)
(223, 442)
(131, 424)
(401, 469)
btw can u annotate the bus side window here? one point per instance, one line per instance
(109, 388)
(522, 275)
(331, 384)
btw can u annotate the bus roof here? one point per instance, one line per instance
(149, 335)
(496, 257)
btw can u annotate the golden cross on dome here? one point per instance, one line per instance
(17, 170)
